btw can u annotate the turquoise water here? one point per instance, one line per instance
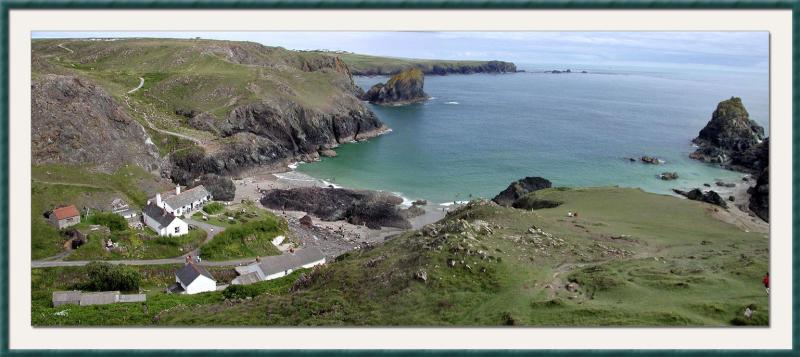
(480, 132)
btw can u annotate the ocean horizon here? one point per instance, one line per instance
(480, 132)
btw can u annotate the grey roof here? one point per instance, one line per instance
(66, 297)
(133, 298)
(159, 214)
(190, 272)
(187, 197)
(99, 298)
(278, 263)
(247, 279)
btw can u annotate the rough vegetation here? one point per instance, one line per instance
(403, 88)
(246, 240)
(371, 208)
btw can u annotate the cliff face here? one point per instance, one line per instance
(233, 105)
(729, 136)
(403, 88)
(360, 67)
(759, 195)
(73, 121)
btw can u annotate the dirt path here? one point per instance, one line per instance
(71, 184)
(151, 126)
(62, 46)
(141, 83)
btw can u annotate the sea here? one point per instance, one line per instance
(480, 132)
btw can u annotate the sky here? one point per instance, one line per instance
(747, 51)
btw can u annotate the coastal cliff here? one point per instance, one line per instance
(74, 121)
(366, 65)
(209, 107)
(403, 88)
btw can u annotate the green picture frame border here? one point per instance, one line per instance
(7, 5)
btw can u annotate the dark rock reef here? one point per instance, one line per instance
(370, 208)
(520, 188)
(73, 121)
(708, 197)
(668, 176)
(403, 88)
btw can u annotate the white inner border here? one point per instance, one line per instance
(23, 22)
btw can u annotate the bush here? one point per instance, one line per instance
(213, 208)
(240, 291)
(113, 221)
(105, 277)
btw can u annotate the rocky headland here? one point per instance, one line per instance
(403, 88)
(735, 141)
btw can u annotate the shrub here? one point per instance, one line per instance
(240, 291)
(213, 208)
(105, 277)
(113, 221)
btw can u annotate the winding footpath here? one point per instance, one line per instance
(141, 83)
(167, 132)
(211, 231)
(64, 47)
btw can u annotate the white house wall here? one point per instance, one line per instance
(200, 285)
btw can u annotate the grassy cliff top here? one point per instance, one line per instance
(360, 64)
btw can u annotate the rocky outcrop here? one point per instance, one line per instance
(438, 68)
(531, 202)
(668, 176)
(370, 208)
(520, 188)
(708, 197)
(730, 136)
(759, 195)
(222, 188)
(403, 88)
(73, 121)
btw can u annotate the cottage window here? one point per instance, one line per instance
(177, 229)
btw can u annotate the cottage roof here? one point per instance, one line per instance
(190, 272)
(66, 212)
(246, 279)
(187, 197)
(278, 263)
(158, 214)
(133, 298)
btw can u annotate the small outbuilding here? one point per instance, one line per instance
(277, 266)
(195, 279)
(65, 216)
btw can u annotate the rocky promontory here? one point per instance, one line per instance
(520, 188)
(737, 142)
(730, 137)
(370, 208)
(403, 88)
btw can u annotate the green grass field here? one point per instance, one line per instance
(240, 213)
(630, 259)
(366, 64)
(246, 240)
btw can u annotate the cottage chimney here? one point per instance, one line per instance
(178, 190)
(158, 199)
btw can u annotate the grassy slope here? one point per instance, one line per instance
(54, 185)
(671, 264)
(359, 63)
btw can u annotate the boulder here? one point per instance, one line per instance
(668, 176)
(708, 197)
(307, 221)
(650, 160)
(520, 188)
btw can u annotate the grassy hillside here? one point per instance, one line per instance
(629, 259)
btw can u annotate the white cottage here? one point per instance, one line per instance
(186, 202)
(195, 279)
(163, 222)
